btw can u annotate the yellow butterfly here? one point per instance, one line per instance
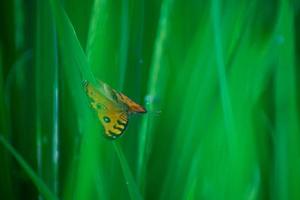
(113, 108)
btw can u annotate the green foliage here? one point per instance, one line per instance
(219, 80)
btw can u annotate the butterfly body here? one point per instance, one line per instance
(113, 108)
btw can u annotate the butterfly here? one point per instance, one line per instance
(112, 107)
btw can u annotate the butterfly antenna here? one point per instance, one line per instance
(154, 112)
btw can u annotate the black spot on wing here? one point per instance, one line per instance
(122, 123)
(106, 119)
(119, 128)
(113, 135)
(124, 117)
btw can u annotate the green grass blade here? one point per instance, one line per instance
(19, 24)
(287, 161)
(130, 182)
(5, 168)
(124, 40)
(223, 84)
(41, 186)
(65, 28)
(75, 70)
(108, 40)
(79, 13)
(47, 97)
(155, 91)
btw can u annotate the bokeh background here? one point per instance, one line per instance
(219, 78)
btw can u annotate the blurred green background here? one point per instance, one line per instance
(220, 81)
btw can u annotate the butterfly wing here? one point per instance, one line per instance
(122, 99)
(132, 107)
(114, 123)
(112, 116)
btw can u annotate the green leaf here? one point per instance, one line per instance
(41, 186)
